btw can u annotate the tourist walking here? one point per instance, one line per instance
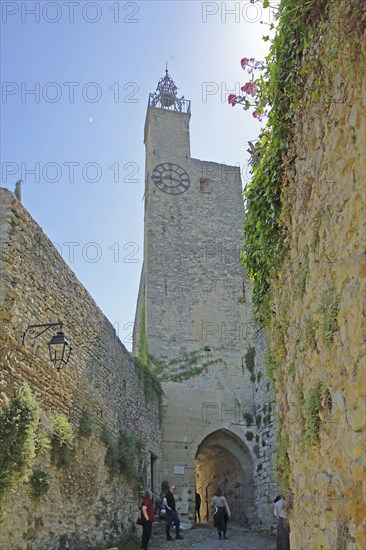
(171, 513)
(221, 512)
(147, 518)
(283, 529)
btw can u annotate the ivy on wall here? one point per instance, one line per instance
(145, 366)
(309, 49)
(280, 88)
(184, 367)
(142, 345)
(124, 455)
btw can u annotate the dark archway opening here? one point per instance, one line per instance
(223, 460)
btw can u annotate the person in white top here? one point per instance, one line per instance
(283, 530)
(221, 512)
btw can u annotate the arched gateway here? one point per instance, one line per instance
(223, 460)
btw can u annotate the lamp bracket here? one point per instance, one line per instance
(37, 330)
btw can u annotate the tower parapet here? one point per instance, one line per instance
(165, 96)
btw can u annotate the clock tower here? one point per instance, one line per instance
(193, 318)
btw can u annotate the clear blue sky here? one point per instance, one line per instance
(92, 66)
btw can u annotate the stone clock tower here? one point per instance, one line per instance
(194, 320)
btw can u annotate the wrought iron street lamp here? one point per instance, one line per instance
(58, 347)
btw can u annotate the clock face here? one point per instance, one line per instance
(170, 178)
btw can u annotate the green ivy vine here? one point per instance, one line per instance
(280, 88)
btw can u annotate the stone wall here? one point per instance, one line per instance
(318, 330)
(84, 502)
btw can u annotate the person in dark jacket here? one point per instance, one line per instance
(147, 518)
(171, 513)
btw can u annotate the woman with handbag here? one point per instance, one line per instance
(147, 518)
(221, 512)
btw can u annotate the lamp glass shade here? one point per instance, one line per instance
(59, 349)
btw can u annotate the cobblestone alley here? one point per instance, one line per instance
(204, 537)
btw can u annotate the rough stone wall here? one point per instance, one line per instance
(263, 428)
(84, 502)
(196, 300)
(319, 322)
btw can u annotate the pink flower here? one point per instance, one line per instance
(231, 99)
(250, 88)
(244, 62)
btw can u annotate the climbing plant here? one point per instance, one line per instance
(142, 345)
(124, 454)
(185, 366)
(274, 93)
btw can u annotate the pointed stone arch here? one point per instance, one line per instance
(224, 460)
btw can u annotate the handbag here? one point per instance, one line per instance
(139, 521)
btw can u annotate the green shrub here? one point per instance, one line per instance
(106, 436)
(18, 425)
(123, 454)
(126, 452)
(85, 424)
(249, 436)
(40, 482)
(62, 441)
(18, 190)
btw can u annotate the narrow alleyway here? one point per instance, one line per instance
(204, 537)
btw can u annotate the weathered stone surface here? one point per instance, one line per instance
(100, 378)
(327, 228)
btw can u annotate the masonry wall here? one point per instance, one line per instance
(318, 330)
(84, 502)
